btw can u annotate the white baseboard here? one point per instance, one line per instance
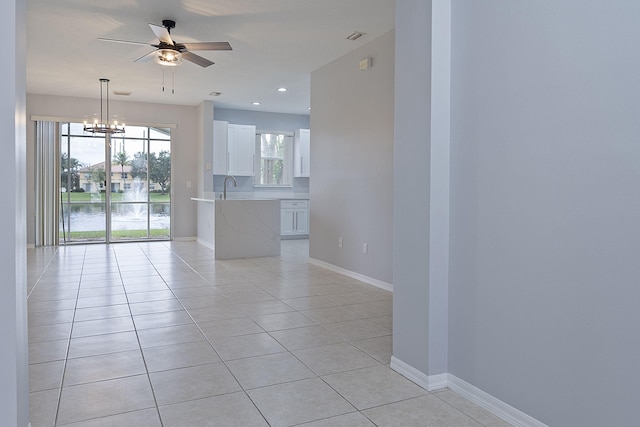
(466, 390)
(184, 239)
(369, 280)
(428, 382)
(492, 404)
(205, 243)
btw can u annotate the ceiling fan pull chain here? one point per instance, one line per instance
(173, 82)
(163, 79)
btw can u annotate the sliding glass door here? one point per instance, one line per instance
(115, 188)
(140, 184)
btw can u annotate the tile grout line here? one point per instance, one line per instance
(144, 360)
(66, 356)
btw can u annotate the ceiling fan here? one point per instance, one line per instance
(168, 52)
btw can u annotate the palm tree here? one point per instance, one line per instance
(122, 159)
(69, 176)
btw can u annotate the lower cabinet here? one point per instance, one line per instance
(294, 218)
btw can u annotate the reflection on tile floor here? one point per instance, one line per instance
(160, 334)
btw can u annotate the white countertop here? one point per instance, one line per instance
(246, 195)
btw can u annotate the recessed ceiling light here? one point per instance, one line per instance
(282, 89)
(256, 103)
(355, 35)
(308, 108)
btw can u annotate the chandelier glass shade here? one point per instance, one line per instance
(103, 124)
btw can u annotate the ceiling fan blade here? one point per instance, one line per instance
(162, 34)
(207, 46)
(196, 59)
(122, 41)
(146, 57)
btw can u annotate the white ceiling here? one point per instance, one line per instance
(275, 43)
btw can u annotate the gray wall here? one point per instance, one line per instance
(545, 230)
(352, 161)
(264, 121)
(14, 384)
(186, 139)
(205, 148)
(421, 212)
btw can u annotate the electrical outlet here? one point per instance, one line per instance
(208, 166)
(339, 242)
(365, 248)
(188, 184)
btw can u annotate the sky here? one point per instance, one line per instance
(90, 150)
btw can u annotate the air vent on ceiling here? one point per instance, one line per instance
(122, 92)
(355, 35)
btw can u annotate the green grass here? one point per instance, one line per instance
(115, 197)
(117, 234)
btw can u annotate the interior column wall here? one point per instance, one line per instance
(14, 384)
(411, 203)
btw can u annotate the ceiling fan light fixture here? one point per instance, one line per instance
(168, 57)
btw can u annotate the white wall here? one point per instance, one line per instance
(545, 207)
(352, 161)
(184, 157)
(14, 384)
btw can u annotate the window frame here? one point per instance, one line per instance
(287, 159)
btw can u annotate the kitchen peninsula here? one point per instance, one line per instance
(239, 228)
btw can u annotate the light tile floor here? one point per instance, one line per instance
(160, 334)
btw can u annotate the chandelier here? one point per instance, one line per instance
(104, 125)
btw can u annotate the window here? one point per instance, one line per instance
(273, 159)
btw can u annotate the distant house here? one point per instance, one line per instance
(93, 178)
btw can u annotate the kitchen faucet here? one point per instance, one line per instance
(235, 184)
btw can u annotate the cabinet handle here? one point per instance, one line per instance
(293, 221)
(296, 221)
(301, 165)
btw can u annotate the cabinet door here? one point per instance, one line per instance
(301, 222)
(302, 153)
(220, 153)
(287, 224)
(242, 146)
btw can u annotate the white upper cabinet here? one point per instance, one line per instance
(242, 149)
(233, 155)
(302, 153)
